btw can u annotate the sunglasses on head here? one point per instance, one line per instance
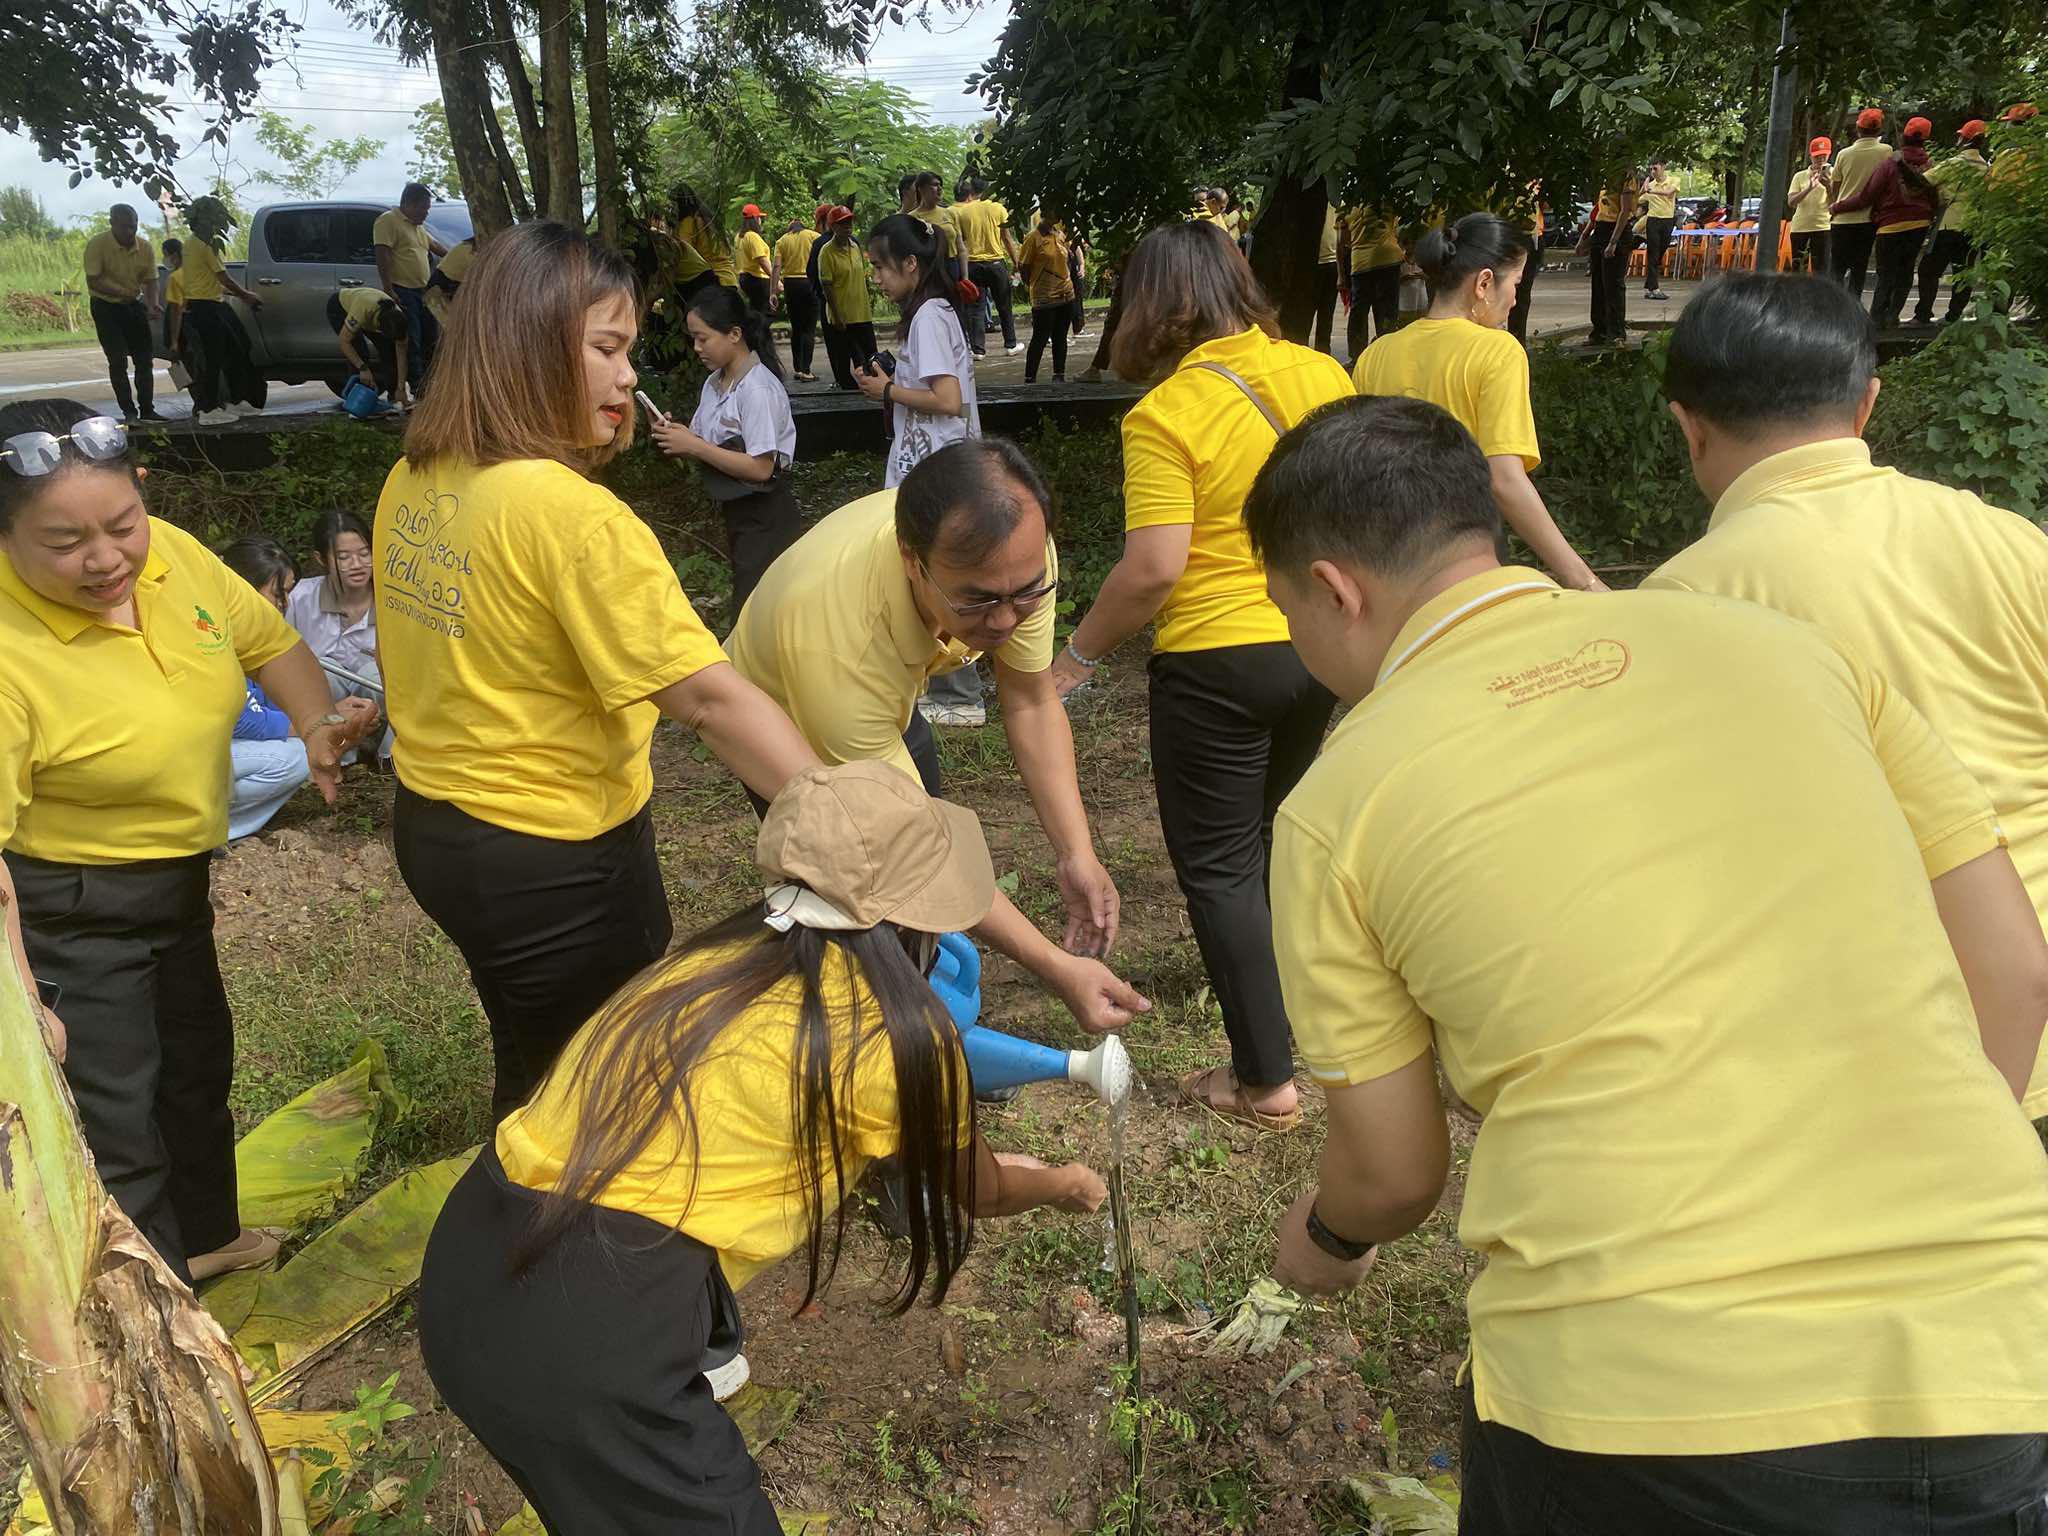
(98, 438)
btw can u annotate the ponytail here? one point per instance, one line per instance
(723, 309)
(1455, 253)
(905, 237)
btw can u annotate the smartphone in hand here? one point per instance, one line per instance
(654, 412)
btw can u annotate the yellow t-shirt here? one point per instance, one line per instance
(412, 260)
(1479, 375)
(1853, 167)
(704, 250)
(793, 253)
(753, 253)
(1959, 177)
(1660, 198)
(174, 286)
(832, 634)
(941, 219)
(114, 741)
(132, 269)
(1944, 595)
(1811, 216)
(843, 269)
(455, 267)
(980, 224)
(740, 1195)
(1042, 264)
(199, 277)
(1326, 247)
(1651, 872)
(1192, 447)
(525, 616)
(359, 305)
(1375, 238)
(1608, 207)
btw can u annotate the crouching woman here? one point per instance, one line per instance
(709, 1120)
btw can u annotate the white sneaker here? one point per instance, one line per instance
(244, 408)
(728, 1378)
(962, 715)
(219, 416)
(1015, 346)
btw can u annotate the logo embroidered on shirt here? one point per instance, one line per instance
(1592, 665)
(212, 638)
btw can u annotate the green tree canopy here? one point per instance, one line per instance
(309, 165)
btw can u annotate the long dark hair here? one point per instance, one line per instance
(327, 533)
(723, 309)
(259, 560)
(684, 200)
(1479, 242)
(1185, 284)
(632, 1082)
(905, 237)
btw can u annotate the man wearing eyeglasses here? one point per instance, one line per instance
(956, 562)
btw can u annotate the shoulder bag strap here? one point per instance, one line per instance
(1279, 427)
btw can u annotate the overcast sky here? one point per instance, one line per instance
(345, 83)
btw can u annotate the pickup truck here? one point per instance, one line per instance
(299, 255)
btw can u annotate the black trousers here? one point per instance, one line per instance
(1233, 729)
(1518, 317)
(1950, 249)
(383, 353)
(1326, 304)
(993, 278)
(846, 345)
(584, 1375)
(1897, 257)
(1972, 1485)
(152, 1044)
(1810, 251)
(1049, 323)
(1849, 247)
(758, 528)
(423, 332)
(802, 303)
(1610, 284)
(1375, 301)
(550, 929)
(123, 331)
(224, 353)
(757, 293)
(1657, 236)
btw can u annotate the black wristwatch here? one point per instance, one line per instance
(1336, 1247)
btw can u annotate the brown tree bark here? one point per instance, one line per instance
(512, 64)
(1289, 231)
(604, 147)
(466, 98)
(508, 168)
(558, 102)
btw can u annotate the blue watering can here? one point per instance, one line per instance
(361, 401)
(997, 1061)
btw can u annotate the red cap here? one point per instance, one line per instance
(1821, 146)
(752, 212)
(819, 217)
(840, 215)
(1869, 118)
(1917, 128)
(1975, 128)
(2019, 112)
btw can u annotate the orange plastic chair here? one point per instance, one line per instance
(1638, 260)
(1785, 245)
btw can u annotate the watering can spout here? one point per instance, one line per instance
(996, 1061)
(1106, 1069)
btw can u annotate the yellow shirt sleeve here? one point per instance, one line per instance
(1952, 818)
(1353, 1018)
(1159, 476)
(95, 259)
(1504, 421)
(619, 602)
(17, 764)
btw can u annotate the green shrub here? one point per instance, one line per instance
(2009, 214)
(1971, 410)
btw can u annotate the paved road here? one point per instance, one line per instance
(80, 373)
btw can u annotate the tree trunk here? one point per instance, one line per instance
(558, 100)
(508, 168)
(604, 148)
(127, 1395)
(466, 99)
(1287, 237)
(512, 63)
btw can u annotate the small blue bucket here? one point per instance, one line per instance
(360, 400)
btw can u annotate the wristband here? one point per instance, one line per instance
(888, 391)
(1336, 1247)
(1082, 661)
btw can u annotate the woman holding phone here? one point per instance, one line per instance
(532, 632)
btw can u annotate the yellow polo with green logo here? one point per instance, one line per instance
(1651, 873)
(1944, 594)
(114, 741)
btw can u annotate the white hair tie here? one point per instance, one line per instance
(789, 906)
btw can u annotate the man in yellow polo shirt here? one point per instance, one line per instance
(848, 626)
(1944, 595)
(1722, 942)
(1851, 235)
(120, 276)
(405, 263)
(984, 227)
(794, 292)
(1660, 210)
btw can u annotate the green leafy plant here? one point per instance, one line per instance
(382, 1487)
(2009, 214)
(1971, 410)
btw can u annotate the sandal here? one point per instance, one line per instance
(253, 1248)
(1191, 1085)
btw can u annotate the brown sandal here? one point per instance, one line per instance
(1240, 1107)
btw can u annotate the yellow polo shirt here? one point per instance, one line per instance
(525, 616)
(1478, 374)
(1661, 198)
(1811, 216)
(980, 224)
(1959, 177)
(359, 305)
(753, 253)
(1375, 238)
(412, 261)
(1853, 167)
(455, 267)
(132, 268)
(941, 219)
(1607, 208)
(174, 286)
(1326, 247)
(114, 741)
(1944, 595)
(740, 1193)
(200, 276)
(843, 269)
(1651, 872)
(1192, 447)
(793, 252)
(833, 635)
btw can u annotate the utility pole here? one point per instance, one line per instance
(1777, 147)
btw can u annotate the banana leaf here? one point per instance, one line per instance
(306, 1156)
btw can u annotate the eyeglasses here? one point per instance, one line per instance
(1023, 602)
(39, 453)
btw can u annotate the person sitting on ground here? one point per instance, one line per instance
(269, 762)
(336, 611)
(894, 588)
(1741, 980)
(370, 320)
(1772, 381)
(711, 1118)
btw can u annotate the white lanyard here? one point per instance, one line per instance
(1462, 611)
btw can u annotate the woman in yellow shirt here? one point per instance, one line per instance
(706, 252)
(1461, 357)
(1236, 718)
(126, 645)
(1042, 264)
(532, 631)
(708, 1121)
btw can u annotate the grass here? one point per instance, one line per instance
(47, 268)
